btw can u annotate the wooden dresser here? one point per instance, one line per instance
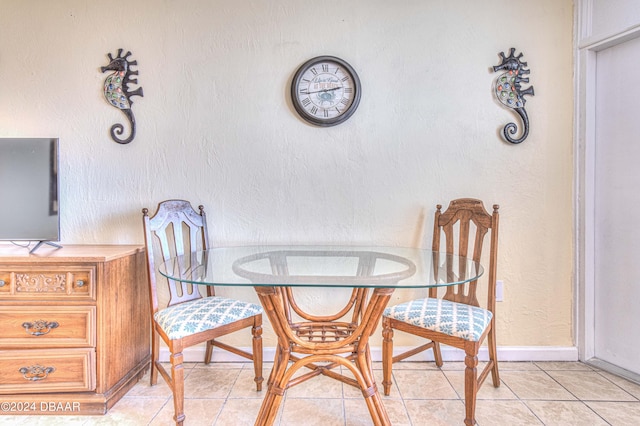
(74, 327)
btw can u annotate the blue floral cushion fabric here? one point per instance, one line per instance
(203, 314)
(451, 318)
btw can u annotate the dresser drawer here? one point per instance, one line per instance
(47, 282)
(47, 327)
(47, 370)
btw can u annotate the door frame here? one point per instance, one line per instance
(586, 51)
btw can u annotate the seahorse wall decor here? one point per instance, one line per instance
(117, 93)
(510, 93)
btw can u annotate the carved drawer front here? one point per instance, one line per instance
(47, 327)
(47, 370)
(55, 281)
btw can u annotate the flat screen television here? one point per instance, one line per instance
(29, 191)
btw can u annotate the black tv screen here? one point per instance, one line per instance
(29, 189)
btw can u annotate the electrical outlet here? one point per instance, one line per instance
(499, 291)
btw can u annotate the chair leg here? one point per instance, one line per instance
(208, 352)
(493, 356)
(437, 354)
(256, 342)
(155, 352)
(470, 385)
(387, 355)
(177, 378)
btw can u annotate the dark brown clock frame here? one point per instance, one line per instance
(296, 90)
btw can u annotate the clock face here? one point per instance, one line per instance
(325, 91)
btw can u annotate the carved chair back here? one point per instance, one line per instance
(464, 226)
(176, 229)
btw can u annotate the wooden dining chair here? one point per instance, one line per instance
(189, 319)
(456, 318)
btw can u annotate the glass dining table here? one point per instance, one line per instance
(323, 342)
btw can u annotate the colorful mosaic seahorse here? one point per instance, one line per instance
(510, 93)
(116, 91)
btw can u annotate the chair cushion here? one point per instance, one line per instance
(451, 318)
(207, 313)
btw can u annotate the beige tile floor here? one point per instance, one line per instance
(531, 393)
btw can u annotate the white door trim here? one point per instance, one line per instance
(584, 169)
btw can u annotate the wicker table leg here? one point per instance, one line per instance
(281, 375)
(273, 398)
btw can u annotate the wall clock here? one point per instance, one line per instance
(325, 91)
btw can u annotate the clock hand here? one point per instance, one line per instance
(323, 90)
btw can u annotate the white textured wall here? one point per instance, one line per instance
(216, 126)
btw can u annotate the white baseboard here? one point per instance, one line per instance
(505, 353)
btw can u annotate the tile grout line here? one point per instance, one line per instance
(582, 401)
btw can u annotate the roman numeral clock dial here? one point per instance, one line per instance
(325, 91)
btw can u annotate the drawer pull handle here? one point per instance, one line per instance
(36, 372)
(39, 327)
(80, 283)
(2, 283)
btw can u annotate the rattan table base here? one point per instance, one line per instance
(322, 343)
